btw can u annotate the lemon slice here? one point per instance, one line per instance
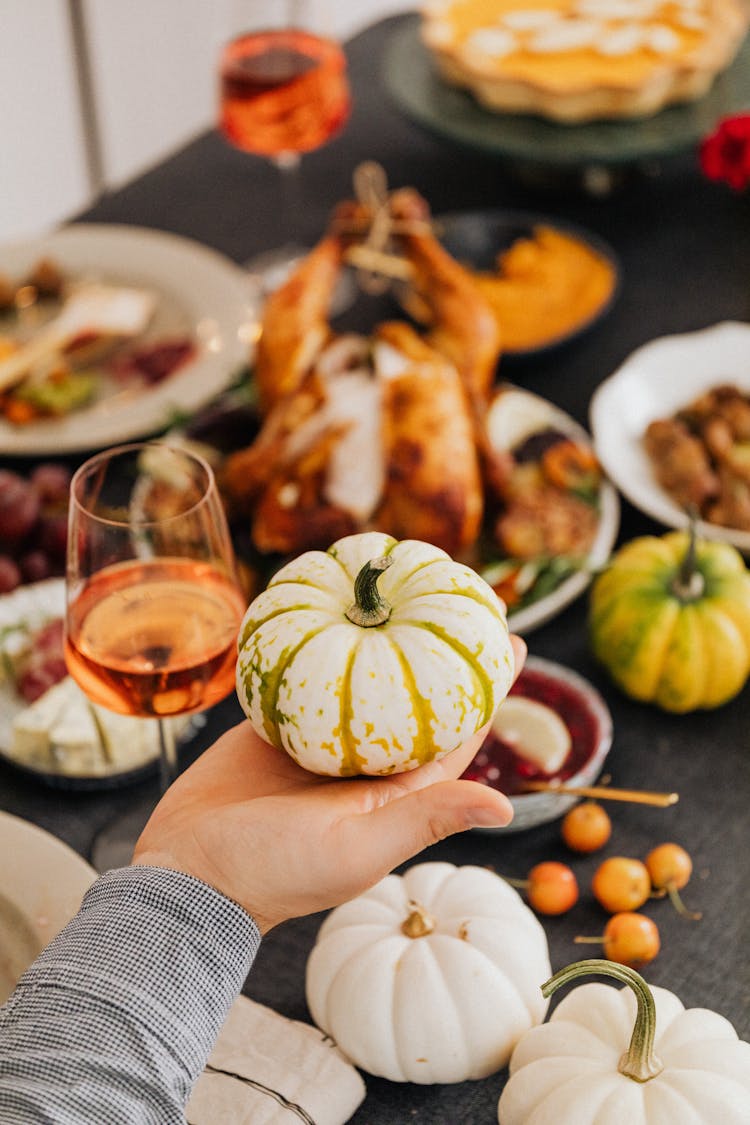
(534, 732)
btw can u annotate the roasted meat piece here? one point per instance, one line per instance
(724, 402)
(433, 489)
(368, 432)
(542, 520)
(681, 463)
(295, 323)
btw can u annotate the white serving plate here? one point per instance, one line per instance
(42, 882)
(546, 415)
(199, 293)
(655, 381)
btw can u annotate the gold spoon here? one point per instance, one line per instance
(603, 792)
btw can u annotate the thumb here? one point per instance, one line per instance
(399, 829)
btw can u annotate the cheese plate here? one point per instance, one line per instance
(48, 727)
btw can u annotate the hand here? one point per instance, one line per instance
(283, 842)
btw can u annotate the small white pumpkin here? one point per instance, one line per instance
(373, 657)
(429, 977)
(631, 1056)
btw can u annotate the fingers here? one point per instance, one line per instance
(399, 829)
(519, 654)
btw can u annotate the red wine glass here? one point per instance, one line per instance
(283, 92)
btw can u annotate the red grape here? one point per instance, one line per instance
(33, 524)
(10, 575)
(52, 535)
(35, 565)
(19, 507)
(52, 482)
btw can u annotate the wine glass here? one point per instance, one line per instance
(153, 605)
(283, 92)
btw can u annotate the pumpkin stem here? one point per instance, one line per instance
(368, 608)
(418, 923)
(688, 584)
(639, 1061)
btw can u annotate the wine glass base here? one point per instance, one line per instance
(113, 845)
(272, 268)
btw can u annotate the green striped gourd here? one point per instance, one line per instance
(670, 620)
(373, 657)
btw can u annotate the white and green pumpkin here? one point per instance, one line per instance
(633, 1056)
(373, 657)
(428, 977)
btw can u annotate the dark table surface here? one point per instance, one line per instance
(684, 246)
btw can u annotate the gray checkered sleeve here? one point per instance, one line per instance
(114, 1021)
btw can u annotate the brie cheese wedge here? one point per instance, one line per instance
(64, 732)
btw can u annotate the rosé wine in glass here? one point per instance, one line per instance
(153, 605)
(155, 638)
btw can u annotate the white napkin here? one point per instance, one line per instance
(269, 1070)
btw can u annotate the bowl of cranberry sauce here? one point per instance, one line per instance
(502, 764)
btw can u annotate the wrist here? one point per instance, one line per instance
(209, 877)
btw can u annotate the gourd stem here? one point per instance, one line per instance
(368, 607)
(688, 584)
(418, 923)
(639, 1061)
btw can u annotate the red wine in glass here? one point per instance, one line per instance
(283, 92)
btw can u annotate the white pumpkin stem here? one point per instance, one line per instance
(639, 1061)
(418, 923)
(688, 584)
(368, 607)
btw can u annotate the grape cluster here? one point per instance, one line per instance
(33, 524)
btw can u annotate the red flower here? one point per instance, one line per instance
(725, 154)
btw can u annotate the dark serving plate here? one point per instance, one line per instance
(454, 115)
(475, 238)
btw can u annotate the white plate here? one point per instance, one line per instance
(200, 293)
(654, 382)
(42, 882)
(523, 621)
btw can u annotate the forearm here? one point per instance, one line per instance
(116, 1018)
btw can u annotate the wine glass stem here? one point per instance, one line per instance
(288, 164)
(167, 754)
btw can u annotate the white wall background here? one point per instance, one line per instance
(153, 79)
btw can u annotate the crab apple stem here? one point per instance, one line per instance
(368, 607)
(639, 1061)
(679, 905)
(522, 884)
(588, 940)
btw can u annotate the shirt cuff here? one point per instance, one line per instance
(168, 950)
